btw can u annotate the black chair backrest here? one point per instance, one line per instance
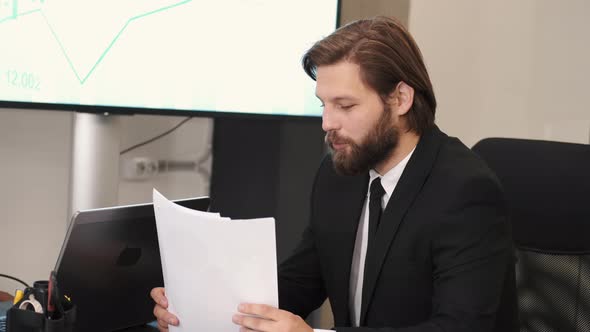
(547, 186)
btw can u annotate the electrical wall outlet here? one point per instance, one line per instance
(143, 168)
(139, 168)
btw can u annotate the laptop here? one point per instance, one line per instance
(110, 261)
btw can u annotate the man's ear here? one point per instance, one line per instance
(402, 98)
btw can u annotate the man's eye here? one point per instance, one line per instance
(346, 107)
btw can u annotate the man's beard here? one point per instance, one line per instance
(377, 145)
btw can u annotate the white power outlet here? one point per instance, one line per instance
(139, 168)
(143, 168)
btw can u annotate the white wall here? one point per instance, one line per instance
(190, 142)
(34, 181)
(352, 10)
(507, 68)
(35, 165)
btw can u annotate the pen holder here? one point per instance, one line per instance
(30, 314)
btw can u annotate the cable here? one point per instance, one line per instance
(15, 279)
(133, 147)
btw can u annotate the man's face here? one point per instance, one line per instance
(360, 131)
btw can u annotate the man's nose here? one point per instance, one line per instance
(329, 120)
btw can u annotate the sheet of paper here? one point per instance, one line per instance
(212, 264)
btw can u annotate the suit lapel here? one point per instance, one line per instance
(405, 192)
(349, 196)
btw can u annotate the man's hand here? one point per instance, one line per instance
(160, 310)
(269, 319)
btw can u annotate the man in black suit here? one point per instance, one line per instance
(408, 229)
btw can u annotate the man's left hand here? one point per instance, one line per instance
(268, 319)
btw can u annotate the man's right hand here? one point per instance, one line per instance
(164, 318)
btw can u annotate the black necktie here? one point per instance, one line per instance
(375, 209)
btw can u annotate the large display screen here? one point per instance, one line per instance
(159, 56)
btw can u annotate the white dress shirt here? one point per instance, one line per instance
(389, 180)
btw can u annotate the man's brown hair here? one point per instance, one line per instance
(387, 54)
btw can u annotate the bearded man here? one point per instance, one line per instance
(408, 229)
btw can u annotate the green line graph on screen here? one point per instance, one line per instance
(236, 56)
(17, 10)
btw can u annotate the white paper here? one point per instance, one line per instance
(212, 264)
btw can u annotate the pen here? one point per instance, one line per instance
(18, 296)
(50, 294)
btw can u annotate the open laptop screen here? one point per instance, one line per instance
(110, 261)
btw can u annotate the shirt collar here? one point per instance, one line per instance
(389, 180)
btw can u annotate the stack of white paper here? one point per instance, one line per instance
(212, 264)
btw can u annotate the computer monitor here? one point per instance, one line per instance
(183, 57)
(110, 261)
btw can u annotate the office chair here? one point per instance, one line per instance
(547, 187)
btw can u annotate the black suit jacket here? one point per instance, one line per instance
(442, 259)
